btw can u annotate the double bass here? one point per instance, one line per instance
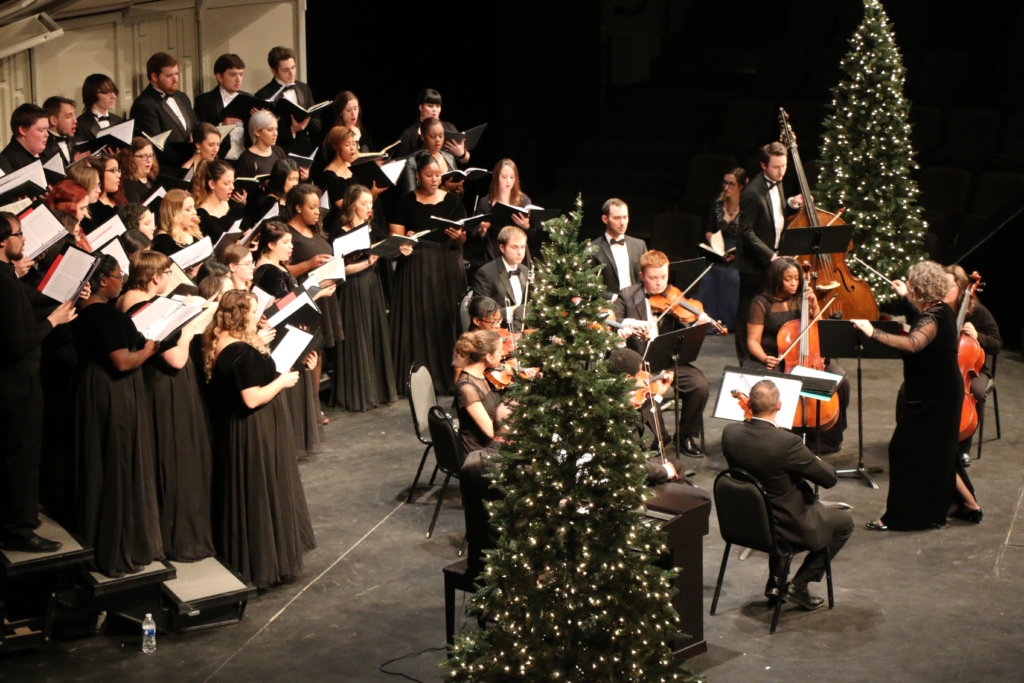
(828, 272)
(971, 358)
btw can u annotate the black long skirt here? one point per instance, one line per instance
(117, 510)
(304, 405)
(262, 524)
(184, 460)
(367, 372)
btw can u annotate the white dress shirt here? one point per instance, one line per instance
(652, 332)
(778, 212)
(98, 114)
(621, 256)
(517, 290)
(177, 111)
(290, 94)
(237, 134)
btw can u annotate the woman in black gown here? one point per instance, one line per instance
(431, 145)
(259, 159)
(429, 282)
(273, 278)
(218, 206)
(777, 305)
(926, 477)
(115, 475)
(284, 175)
(367, 373)
(111, 196)
(720, 288)
(184, 461)
(261, 522)
(139, 169)
(504, 189)
(206, 139)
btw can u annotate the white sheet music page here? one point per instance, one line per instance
(150, 318)
(106, 232)
(68, 274)
(353, 241)
(193, 254)
(41, 229)
(262, 301)
(114, 248)
(291, 346)
(292, 306)
(332, 270)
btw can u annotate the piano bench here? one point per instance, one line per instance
(455, 578)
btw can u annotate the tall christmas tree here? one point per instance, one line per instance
(866, 157)
(572, 583)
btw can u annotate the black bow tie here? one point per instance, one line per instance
(618, 241)
(102, 118)
(647, 295)
(287, 88)
(771, 184)
(514, 271)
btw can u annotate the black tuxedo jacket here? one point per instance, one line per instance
(154, 116)
(494, 282)
(89, 127)
(631, 304)
(15, 156)
(757, 228)
(634, 247)
(783, 465)
(209, 105)
(285, 139)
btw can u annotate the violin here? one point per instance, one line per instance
(744, 402)
(970, 358)
(509, 340)
(686, 311)
(854, 298)
(648, 386)
(800, 339)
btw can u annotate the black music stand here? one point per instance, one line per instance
(816, 241)
(672, 350)
(681, 274)
(840, 339)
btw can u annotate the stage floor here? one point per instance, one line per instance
(929, 606)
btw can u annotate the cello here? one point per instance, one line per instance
(829, 272)
(970, 358)
(800, 339)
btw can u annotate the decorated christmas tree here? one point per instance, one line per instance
(571, 587)
(866, 157)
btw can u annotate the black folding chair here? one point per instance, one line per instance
(995, 404)
(447, 450)
(745, 519)
(421, 399)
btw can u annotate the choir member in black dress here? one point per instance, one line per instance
(926, 478)
(135, 241)
(429, 102)
(218, 206)
(337, 176)
(980, 325)
(241, 266)
(431, 144)
(261, 522)
(71, 198)
(505, 190)
(349, 114)
(178, 225)
(115, 478)
(88, 177)
(720, 288)
(139, 168)
(99, 94)
(111, 196)
(429, 282)
(274, 278)
(777, 305)
(206, 141)
(138, 217)
(284, 175)
(260, 157)
(367, 373)
(21, 396)
(181, 435)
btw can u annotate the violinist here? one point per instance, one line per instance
(634, 310)
(617, 252)
(778, 304)
(980, 325)
(505, 279)
(484, 314)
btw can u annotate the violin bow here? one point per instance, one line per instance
(854, 256)
(809, 326)
(654, 414)
(683, 295)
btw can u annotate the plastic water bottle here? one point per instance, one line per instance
(149, 635)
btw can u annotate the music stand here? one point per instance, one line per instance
(815, 241)
(672, 350)
(840, 339)
(681, 274)
(726, 408)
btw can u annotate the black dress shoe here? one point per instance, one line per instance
(802, 598)
(972, 516)
(33, 544)
(690, 448)
(771, 589)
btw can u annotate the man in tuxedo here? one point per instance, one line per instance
(229, 70)
(30, 125)
(99, 93)
(763, 209)
(634, 310)
(162, 107)
(505, 280)
(63, 125)
(617, 252)
(21, 396)
(293, 136)
(782, 463)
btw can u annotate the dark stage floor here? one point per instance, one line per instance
(926, 606)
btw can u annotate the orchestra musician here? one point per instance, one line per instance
(617, 252)
(505, 279)
(634, 310)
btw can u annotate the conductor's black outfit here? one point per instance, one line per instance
(778, 459)
(691, 383)
(21, 404)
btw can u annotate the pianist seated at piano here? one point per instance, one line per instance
(783, 464)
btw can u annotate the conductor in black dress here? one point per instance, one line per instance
(635, 313)
(763, 208)
(21, 395)
(783, 465)
(505, 280)
(617, 252)
(162, 107)
(295, 136)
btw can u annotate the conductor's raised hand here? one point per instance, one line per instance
(864, 326)
(900, 286)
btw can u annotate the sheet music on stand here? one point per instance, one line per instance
(741, 380)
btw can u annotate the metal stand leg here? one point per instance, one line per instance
(860, 470)
(721, 575)
(817, 447)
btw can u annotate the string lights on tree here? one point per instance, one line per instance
(571, 592)
(866, 158)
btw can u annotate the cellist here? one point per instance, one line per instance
(979, 324)
(778, 304)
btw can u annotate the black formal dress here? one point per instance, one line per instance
(261, 521)
(137, 191)
(720, 288)
(635, 248)
(184, 459)
(335, 186)
(305, 248)
(481, 457)
(410, 140)
(118, 512)
(491, 250)
(165, 244)
(153, 115)
(89, 124)
(215, 226)
(924, 457)
(428, 285)
(303, 398)
(100, 213)
(773, 314)
(367, 369)
(250, 165)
